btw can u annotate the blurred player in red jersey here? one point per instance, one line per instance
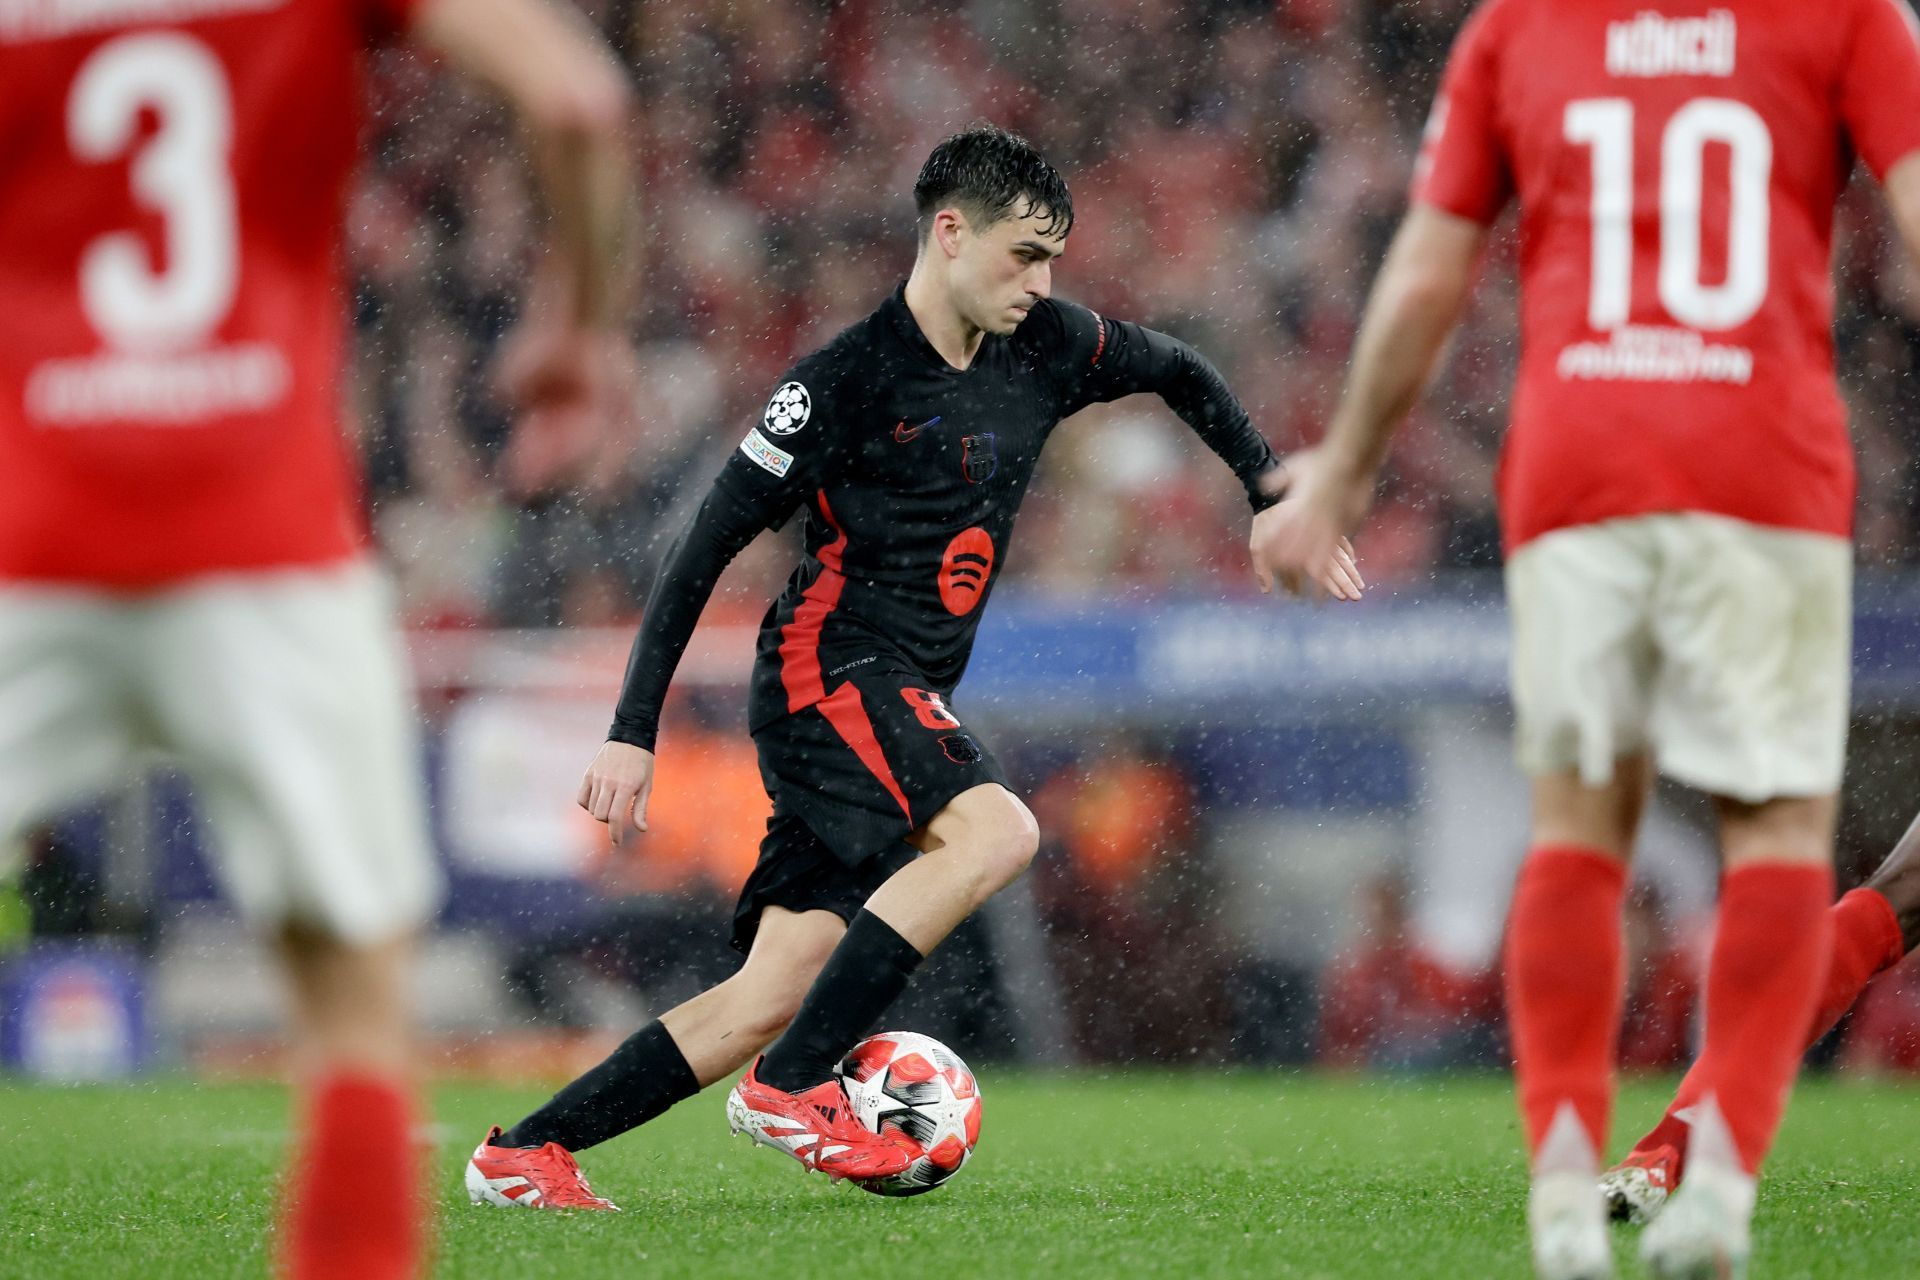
(1677, 497)
(183, 563)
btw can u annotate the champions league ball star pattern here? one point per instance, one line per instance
(789, 409)
(917, 1085)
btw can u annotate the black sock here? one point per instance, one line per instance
(639, 1080)
(865, 974)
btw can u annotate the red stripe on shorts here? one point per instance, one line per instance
(847, 714)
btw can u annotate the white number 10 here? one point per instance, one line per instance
(1606, 125)
(183, 171)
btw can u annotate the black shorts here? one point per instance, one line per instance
(851, 777)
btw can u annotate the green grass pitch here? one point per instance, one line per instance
(1135, 1174)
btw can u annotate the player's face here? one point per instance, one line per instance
(1002, 270)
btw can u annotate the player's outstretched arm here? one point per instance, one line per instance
(1114, 358)
(760, 486)
(1193, 388)
(617, 784)
(567, 367)
(570, 93)
(1416, 300)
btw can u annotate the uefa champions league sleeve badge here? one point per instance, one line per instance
(789, 409)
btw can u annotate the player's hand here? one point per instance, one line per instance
(616, 789)
(573, 391)
(1301, 543)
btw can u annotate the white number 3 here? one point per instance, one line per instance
(183, 172)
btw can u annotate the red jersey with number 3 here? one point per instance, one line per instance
(1676, 166)
(174, 317)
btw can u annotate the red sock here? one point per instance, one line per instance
(1866, 943)
(353, 1204)
(1770, 959)
(1565, 983)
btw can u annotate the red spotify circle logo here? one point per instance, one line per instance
(965, 570)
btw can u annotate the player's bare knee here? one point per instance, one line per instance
(1568, 811)
(1788, 829)
(1009, 844)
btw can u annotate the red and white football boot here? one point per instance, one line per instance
(1637, 1188)
(529, 1178)
(817, 1127)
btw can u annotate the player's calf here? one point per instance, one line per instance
(353, 1203)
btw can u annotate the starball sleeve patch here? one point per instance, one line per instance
(789, 409)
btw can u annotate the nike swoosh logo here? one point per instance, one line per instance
(904, 433)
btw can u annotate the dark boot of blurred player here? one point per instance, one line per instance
(1874, 928)
(908, 442)
(183, 560)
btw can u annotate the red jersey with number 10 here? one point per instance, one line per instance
(173, 327)
(1676, 166)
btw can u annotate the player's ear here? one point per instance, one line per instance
(949, 228)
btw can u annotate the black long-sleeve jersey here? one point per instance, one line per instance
(910, 473)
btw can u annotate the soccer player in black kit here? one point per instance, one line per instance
(906, 445)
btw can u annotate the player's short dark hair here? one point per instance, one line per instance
(991, 174)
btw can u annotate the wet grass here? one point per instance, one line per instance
(1139, 1174)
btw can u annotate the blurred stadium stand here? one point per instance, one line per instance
(1220, 786)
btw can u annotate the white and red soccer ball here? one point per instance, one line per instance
(918, 1086)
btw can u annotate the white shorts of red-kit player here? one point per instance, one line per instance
(279, 694)
(1723, 648)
